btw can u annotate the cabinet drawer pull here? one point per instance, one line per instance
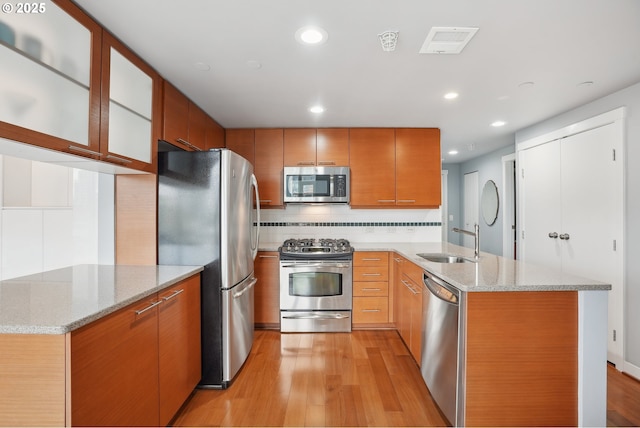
(188, 144)
(397, 260)
(84, 151)
(372, 289)
(118, 159)
(386, 201)
(268, 257)
(306, 163)
(265, 201)
(370, 310)
(371, 274)
(406, 201)
(151, 306)
(174, 294)
(371, 260)
(326, 162)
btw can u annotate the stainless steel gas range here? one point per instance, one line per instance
(316, 285)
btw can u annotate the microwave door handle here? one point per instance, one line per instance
(289, 185)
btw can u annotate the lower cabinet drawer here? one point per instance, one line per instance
(370, 289)
(370, 310)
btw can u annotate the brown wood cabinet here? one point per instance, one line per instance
(418, 167)
(267, 290)
(395, 167)
(186, 125)
(521, 353)
(332, 147)
(179, 345)
(373, 170)
(268, 166)
(408, 303)
(138, 365)
(299, 147)
(316, 147)
(370, 288)
(241, 141)
(114, 368)
(412, 274)
(214, 134)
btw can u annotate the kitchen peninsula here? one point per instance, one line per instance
(75, 337)
(532, 342)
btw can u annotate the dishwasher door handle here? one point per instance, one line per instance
(440, 289)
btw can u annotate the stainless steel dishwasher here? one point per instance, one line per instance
(440, 350)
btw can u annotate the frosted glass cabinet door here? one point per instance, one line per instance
(129, 133)
(47, 83)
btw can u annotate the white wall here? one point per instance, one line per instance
(52, 216)
(629, 97)
(356, 225)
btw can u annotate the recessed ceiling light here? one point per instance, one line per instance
(453, 152)
(202, 66)
(311, 35)
(526, 85)
(316, 109)
(498, 123)
(451, 95)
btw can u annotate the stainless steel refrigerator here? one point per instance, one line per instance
(206, 217)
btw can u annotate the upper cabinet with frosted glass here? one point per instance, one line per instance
(56, 63)
(131, 108)
(50, 85)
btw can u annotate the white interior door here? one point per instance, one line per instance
(471, 206)
(574, 186)
(540, 208)
(592, 218)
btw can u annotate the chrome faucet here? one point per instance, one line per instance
(476, 236)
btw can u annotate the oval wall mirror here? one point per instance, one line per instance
(489, 202)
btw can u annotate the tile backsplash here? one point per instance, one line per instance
(52, 216)
(357, 225)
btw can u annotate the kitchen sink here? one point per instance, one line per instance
(445, 258)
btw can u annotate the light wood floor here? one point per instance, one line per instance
(363, 378)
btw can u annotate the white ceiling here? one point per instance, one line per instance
(556, 44)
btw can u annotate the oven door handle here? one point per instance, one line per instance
(317, 265)
(316, 317)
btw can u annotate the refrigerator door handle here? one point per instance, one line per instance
(245, 289)
(254, 248)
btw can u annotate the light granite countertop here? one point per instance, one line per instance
(62, 300)
(489, 273)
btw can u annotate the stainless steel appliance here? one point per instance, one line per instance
(440, 362)
(316, 184)
(206, 217)
(316, 285)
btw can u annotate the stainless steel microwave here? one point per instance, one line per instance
(316, 184)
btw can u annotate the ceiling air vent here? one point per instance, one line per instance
(447, 40)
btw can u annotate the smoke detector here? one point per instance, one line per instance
(388, 39)
(447, 40)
